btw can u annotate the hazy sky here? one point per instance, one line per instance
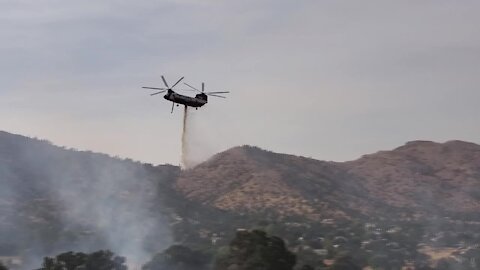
(326, 79)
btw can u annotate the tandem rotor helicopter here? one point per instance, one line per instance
(199, 100)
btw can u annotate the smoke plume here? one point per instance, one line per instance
(54, 200)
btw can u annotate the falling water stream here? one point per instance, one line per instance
(185, 162)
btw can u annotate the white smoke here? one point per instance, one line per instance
(117, 205)
(196, 147)
(101, 202)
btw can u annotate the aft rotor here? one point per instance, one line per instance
(213, 94)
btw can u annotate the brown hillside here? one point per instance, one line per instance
(419, 178)
(424, 175)
(248, 179)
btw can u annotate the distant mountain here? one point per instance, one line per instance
(419, 179)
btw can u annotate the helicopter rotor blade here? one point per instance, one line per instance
(222, 92)
(192, 87)
(157, 93)
(165, 82)
(177, 82)
(213, 95)
(154, 88)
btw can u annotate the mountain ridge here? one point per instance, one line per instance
(229, 180)
(248, 178)
(418, 179)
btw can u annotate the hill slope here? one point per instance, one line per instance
(417, 179)
(425, 176)
(54, 199)
(248, 179)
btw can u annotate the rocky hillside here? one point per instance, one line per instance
(418, 179)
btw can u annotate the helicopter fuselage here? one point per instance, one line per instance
(198, 101)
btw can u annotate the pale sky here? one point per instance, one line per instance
(330, 80)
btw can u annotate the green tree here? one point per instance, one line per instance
(100, 260)
(251, 250)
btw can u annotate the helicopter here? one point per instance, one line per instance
(199, 100)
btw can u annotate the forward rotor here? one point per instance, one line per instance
(163, 89)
